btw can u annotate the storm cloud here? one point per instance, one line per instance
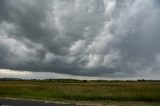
(81, 37)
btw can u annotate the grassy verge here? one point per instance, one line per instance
(88, 91)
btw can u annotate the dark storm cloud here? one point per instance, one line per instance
(80, 37)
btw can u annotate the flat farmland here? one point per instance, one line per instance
(92, 91)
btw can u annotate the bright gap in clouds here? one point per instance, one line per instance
(7, 73)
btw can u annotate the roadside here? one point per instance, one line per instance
(28, 102)
(20, 102)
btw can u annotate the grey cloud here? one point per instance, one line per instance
(89, 37)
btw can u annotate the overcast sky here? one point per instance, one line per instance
(84, 38)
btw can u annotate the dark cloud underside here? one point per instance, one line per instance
(81, 37)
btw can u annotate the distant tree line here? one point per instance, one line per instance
(75, 80)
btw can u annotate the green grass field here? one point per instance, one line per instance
(82, 91)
